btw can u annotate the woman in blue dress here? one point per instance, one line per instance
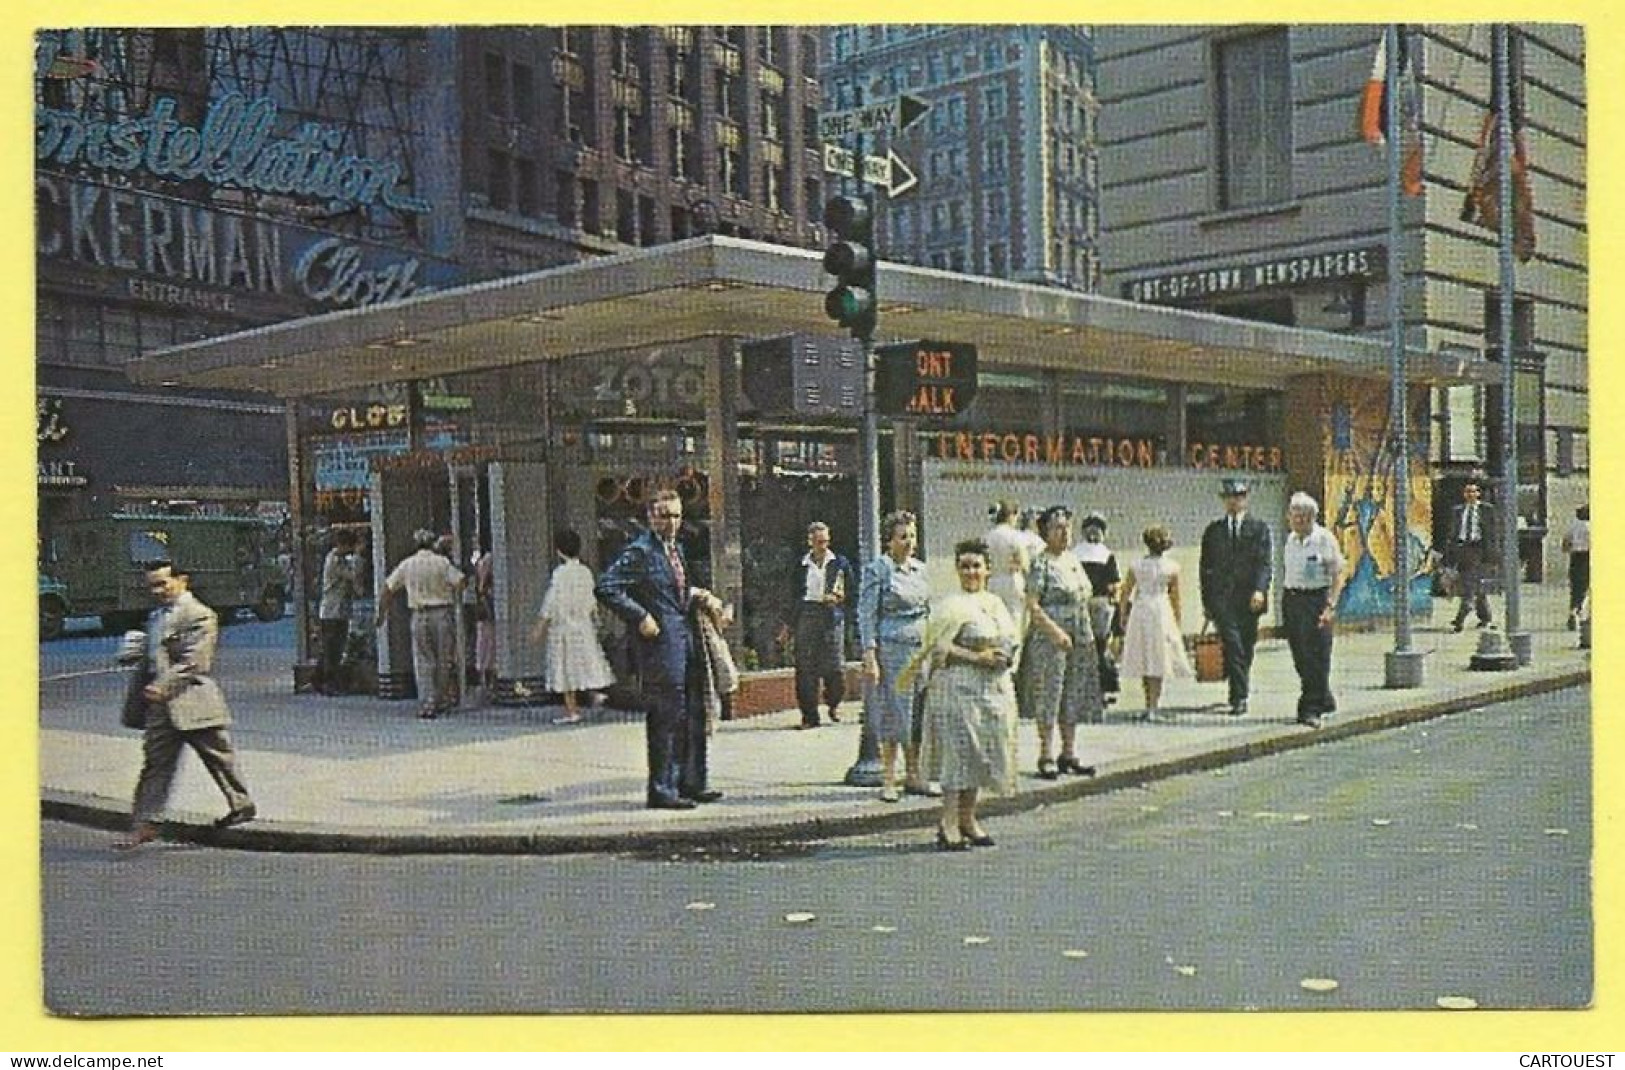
(893, 604)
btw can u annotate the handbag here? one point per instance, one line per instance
(1207, 655)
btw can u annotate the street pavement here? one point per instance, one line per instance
(1445, 860)
(361, 774)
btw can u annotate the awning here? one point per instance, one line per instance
(715, 286)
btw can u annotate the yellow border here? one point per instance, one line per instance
(24, 1027)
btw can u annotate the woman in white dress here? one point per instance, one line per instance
(1153, 647)
(566, 623)
(1009, 550)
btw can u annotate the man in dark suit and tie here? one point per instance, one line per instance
(1236, 574)
(820, 585)
(1472, 538)
(174, 699)
(648, 587)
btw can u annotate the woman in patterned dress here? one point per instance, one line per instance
(970, 702)
(1060, 670)
(894, 601)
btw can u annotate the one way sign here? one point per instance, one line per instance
(891, 113)
(889, 172)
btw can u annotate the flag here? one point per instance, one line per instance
(1374, 109)
(64, 67)
(1482, 204)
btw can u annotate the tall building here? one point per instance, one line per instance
(197, 182)
(581, 140)
(1005, 156)
(1234, 179)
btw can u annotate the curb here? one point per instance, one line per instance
(102, 813)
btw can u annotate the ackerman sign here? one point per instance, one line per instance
(1185, 287)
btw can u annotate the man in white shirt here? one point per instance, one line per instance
(340, 578)
(1313, 581)
(1577, 544)
(432, 584)
(819, 589)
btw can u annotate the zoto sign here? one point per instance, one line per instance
(233, 147)
(925, 378)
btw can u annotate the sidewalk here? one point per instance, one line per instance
(362, 775)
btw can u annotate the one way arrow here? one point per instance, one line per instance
(902, 179)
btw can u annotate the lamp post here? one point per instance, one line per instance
(1511, 566)
(1402, 667)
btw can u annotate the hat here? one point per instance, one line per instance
(1232, 487)
(1093, 520)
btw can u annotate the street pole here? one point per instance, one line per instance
(1511, 567)
(866, 771)
(1403, 666)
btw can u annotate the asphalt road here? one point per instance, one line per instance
(1447, 859)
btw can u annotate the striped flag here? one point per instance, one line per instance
(64, 67)
(1482, 204)
(1374, 109)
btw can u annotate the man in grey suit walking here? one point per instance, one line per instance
(173, 697)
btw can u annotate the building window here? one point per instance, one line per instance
(812, 195)
(956, 113)
(498, 180)
(565, 184)
(591, 218)
(770, 47)
(620, 52)
(996, 209)
(770, 117)
(731, 173)
(625, 145)
(525, 187)
(496, 85)
(682, 153)
(773, 187)
(997, 263)
(677, 72)
(993, 103)
(1254, 120)
(524, 92)
(725, 95)
(956, 260)
(626, 224)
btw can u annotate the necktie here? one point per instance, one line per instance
(1235, 529)
(676, 567)
(1470, 525)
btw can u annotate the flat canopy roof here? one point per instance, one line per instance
(720, 286)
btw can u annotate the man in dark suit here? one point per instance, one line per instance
(1236, 574)
(648, 587)
(820, 585)
(1471, 551)
(174, 699)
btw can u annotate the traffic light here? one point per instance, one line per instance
(851, 259)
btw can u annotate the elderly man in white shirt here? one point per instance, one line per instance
(432, 584)
(1313, 580)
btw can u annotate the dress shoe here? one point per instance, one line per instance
(945, 844)
(834, 718)
(427, 715)
(672, 804)
(142, 834)
(1457, 626)
(1238, 708)
(710, 795)
(804, 725)
(890, 794)
(982, 840)
(1047, 769)
(240, 816)
(920, 787)
(1309, 720)
(1484, 624)
(1069, 764)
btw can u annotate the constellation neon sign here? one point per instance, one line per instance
(234, 146)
